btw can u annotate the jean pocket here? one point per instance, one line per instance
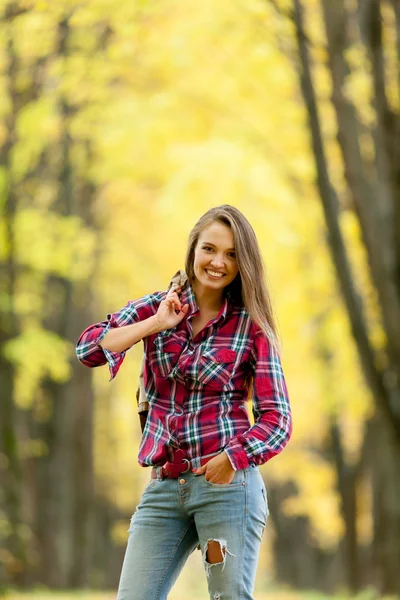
(237, 481)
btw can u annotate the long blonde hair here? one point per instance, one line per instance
(249, 288)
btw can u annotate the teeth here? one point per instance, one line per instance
(214, 274)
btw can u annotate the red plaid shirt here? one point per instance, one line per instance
(196, 387)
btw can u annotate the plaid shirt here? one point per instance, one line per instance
(196, 388)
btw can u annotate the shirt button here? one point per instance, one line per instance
(182, 481)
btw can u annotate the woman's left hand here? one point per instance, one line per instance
(217, 470)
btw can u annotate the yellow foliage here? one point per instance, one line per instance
(37, 354)
(186, 106)
(52, 243)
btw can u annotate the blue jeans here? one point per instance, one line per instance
(175, 515)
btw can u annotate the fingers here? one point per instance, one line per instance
(200, 470)
(172, 300)
(175, 288)
(184, 310)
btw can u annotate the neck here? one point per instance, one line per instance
(208, 300)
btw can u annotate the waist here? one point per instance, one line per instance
(180, 464)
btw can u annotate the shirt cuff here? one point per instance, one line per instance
(236, 453)
(114, 359)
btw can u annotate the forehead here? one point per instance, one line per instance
(218, 234)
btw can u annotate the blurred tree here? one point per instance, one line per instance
(133, 119)
(373, 187)
(11, 538)
(49, 260)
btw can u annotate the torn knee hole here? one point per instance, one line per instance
(215, 552)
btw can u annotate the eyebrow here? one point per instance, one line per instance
(210, 244)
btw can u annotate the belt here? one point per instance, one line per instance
(179, 464)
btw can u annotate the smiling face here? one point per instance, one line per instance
(215, 265)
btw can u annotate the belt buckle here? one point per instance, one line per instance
(188, 465)
(174, 469)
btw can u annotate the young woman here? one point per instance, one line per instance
(206, 342)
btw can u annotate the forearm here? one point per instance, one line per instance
(119, 339)
(265, 439)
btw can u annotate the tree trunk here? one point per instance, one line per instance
(299, 562)
(386, 400)
(347, 487)
(385, 384)
(385, 468)
(66, 473)
(10, 464)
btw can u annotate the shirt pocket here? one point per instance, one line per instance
(165, 354)
(216, 367)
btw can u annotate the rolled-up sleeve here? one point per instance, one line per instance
(271, 409)
(88, 349)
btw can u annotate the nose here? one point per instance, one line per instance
(218, 262)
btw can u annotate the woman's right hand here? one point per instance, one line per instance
(166, 317)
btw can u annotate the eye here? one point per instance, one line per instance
(207, 248)
(232, 254)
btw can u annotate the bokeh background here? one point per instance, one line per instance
(121, 123)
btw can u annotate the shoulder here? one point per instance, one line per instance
(138, 309)
(239, 312)
(153, 298)
(256, 333)
(244, 322)
(243, 316)
(261, 337)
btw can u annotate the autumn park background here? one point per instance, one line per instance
(120, 124)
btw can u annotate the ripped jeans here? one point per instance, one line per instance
(174, 516)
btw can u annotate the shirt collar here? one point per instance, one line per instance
(224, 310)
(188, 297)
